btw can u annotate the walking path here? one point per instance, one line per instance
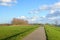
(38, 34)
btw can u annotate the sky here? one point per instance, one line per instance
(35, 11)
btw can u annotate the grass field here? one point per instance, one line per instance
(53, 33)
(15, 32)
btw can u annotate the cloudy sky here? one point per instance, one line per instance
(31, 10)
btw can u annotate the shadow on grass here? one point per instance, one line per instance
(46, 34)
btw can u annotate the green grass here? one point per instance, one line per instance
(15, 32)
(53, 33)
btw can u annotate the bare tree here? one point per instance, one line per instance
(56, 22)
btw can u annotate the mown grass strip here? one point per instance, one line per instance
(17, 34)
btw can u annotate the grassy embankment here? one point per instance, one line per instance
(15, 32)
(53, 32)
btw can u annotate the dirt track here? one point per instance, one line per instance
(38, 34)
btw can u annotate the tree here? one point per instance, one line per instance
(16, 21)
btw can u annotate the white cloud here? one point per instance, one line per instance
(30, 20)
(43, 16)
(55, 14)
(44, 7)
(56, 5)
(7, 2)
(52, 18)
(31, 12)
(52, 11)
(22, 17)
(33, 19)
(50, 7)
(34, 11)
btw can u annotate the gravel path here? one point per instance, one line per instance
(38, 34)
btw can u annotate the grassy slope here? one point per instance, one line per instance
(53, 33)
(8, 31)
